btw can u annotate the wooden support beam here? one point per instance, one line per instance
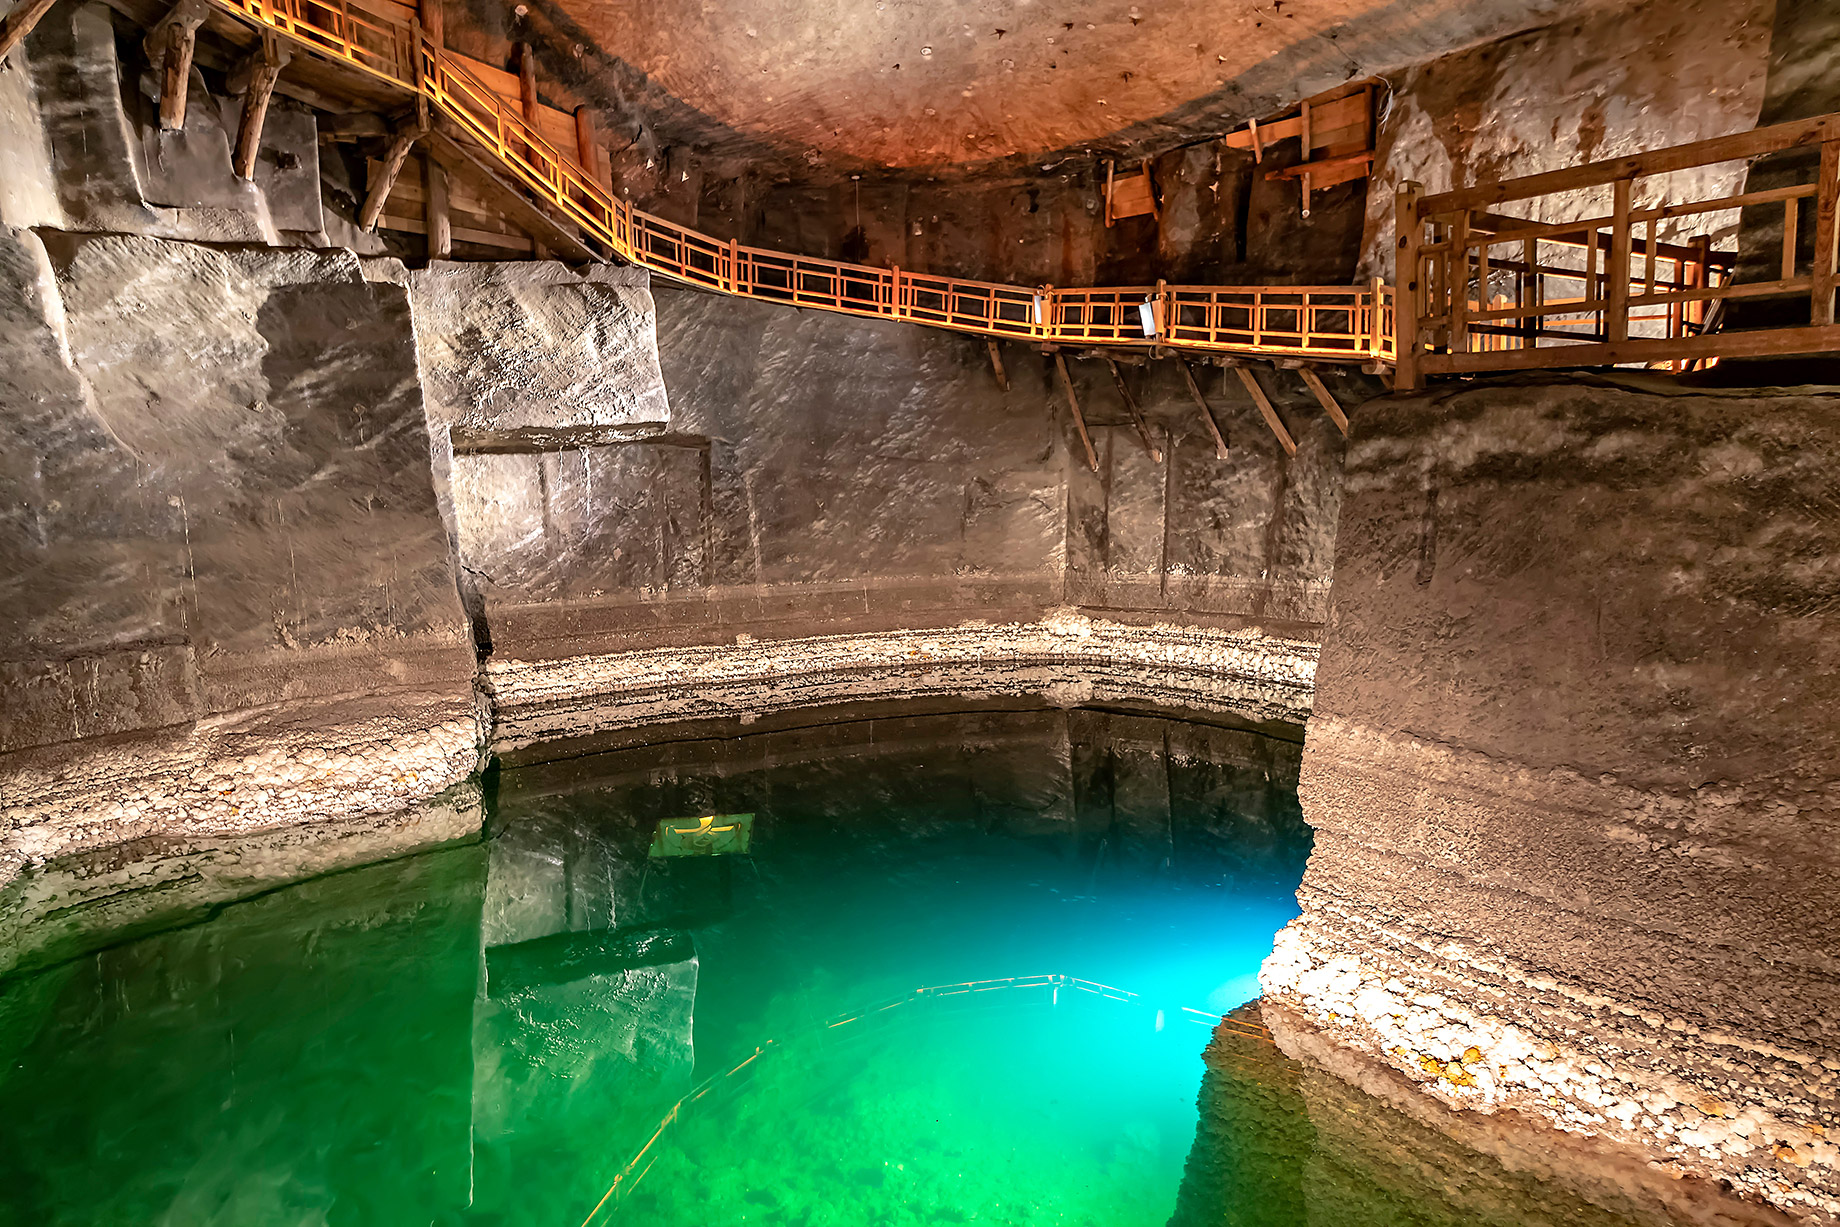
(587, 144)
(1137, 416)
(1616, 310)
(434, 21)
(19, 21)
(1826, 235)
(1314, 383)
(996, 365)
(1079, 420)
(170, 44)
(1207, 412)
(440, 214)
(457, 150)
(257, 76)
(1408, 300)
(1266, 410)
(378, 190)
(527, 83)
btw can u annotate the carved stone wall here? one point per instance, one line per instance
(1571, 772)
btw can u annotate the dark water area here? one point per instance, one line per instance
(967, 970)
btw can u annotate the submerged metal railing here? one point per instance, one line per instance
(642, 1160)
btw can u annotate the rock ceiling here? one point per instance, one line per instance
(942, 83)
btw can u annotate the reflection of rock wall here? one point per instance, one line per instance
(1571, 773)
(261, 1057)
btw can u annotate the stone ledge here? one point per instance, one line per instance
(289, 765)
(1067, 657)
(1477, 1034)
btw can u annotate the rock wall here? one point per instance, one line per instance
(227, 594)
(827, 485)
(1606, 82)
(1571, 777)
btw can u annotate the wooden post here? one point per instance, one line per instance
(379, 189)
(1073, 402)
(1406, 278)
(261, 70)
(1137, 415)
(1616, 300)
(19, 21)
(440, 218)
(1207, 412)
(170, 43)
(1698, 276)
(1376, 318)
(587, 144)
(1314, 382)
(527, 82)
(1110, 174)
(434, 22)
(1457, 279)
(1265, 409)
(1827, 194)
(996, 364)
(1307, 140)
(1791, 216)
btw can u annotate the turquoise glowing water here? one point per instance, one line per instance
(485, 1034)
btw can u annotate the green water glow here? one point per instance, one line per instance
(484, 1034)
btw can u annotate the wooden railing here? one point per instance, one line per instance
(1483, 290)
(1329, 323)
(1491, 292)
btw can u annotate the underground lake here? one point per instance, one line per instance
(917, 969)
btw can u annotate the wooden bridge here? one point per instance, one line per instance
(1567, 285)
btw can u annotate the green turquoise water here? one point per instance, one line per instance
(486, 1034)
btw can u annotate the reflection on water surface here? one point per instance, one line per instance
(487, 1033)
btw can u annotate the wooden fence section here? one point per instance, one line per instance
(1489, 292)
(1329, 323)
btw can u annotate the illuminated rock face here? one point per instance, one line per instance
(1571, 774)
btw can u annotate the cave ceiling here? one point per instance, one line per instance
(908, 85)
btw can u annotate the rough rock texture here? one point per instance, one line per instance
(826, 474)
(536, 346)
(28, 189)
(1067, 659)
(1605, 83)
(221, 535)
(115, 171)
(1330, 1138)
(1571, 782)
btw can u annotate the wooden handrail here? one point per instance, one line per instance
(1330, 323)
(1755, 143)
(1431, 326)
(1488, 292)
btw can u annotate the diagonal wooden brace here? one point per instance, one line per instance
(1314, 382)
(1137, 415)
(257, 77)
(170, 43)
(379, 190)
(1266, 410)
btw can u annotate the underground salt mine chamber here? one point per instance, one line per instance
(867, 614)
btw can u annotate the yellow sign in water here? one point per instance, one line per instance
(710, 835)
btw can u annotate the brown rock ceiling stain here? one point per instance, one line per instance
(907, 83)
